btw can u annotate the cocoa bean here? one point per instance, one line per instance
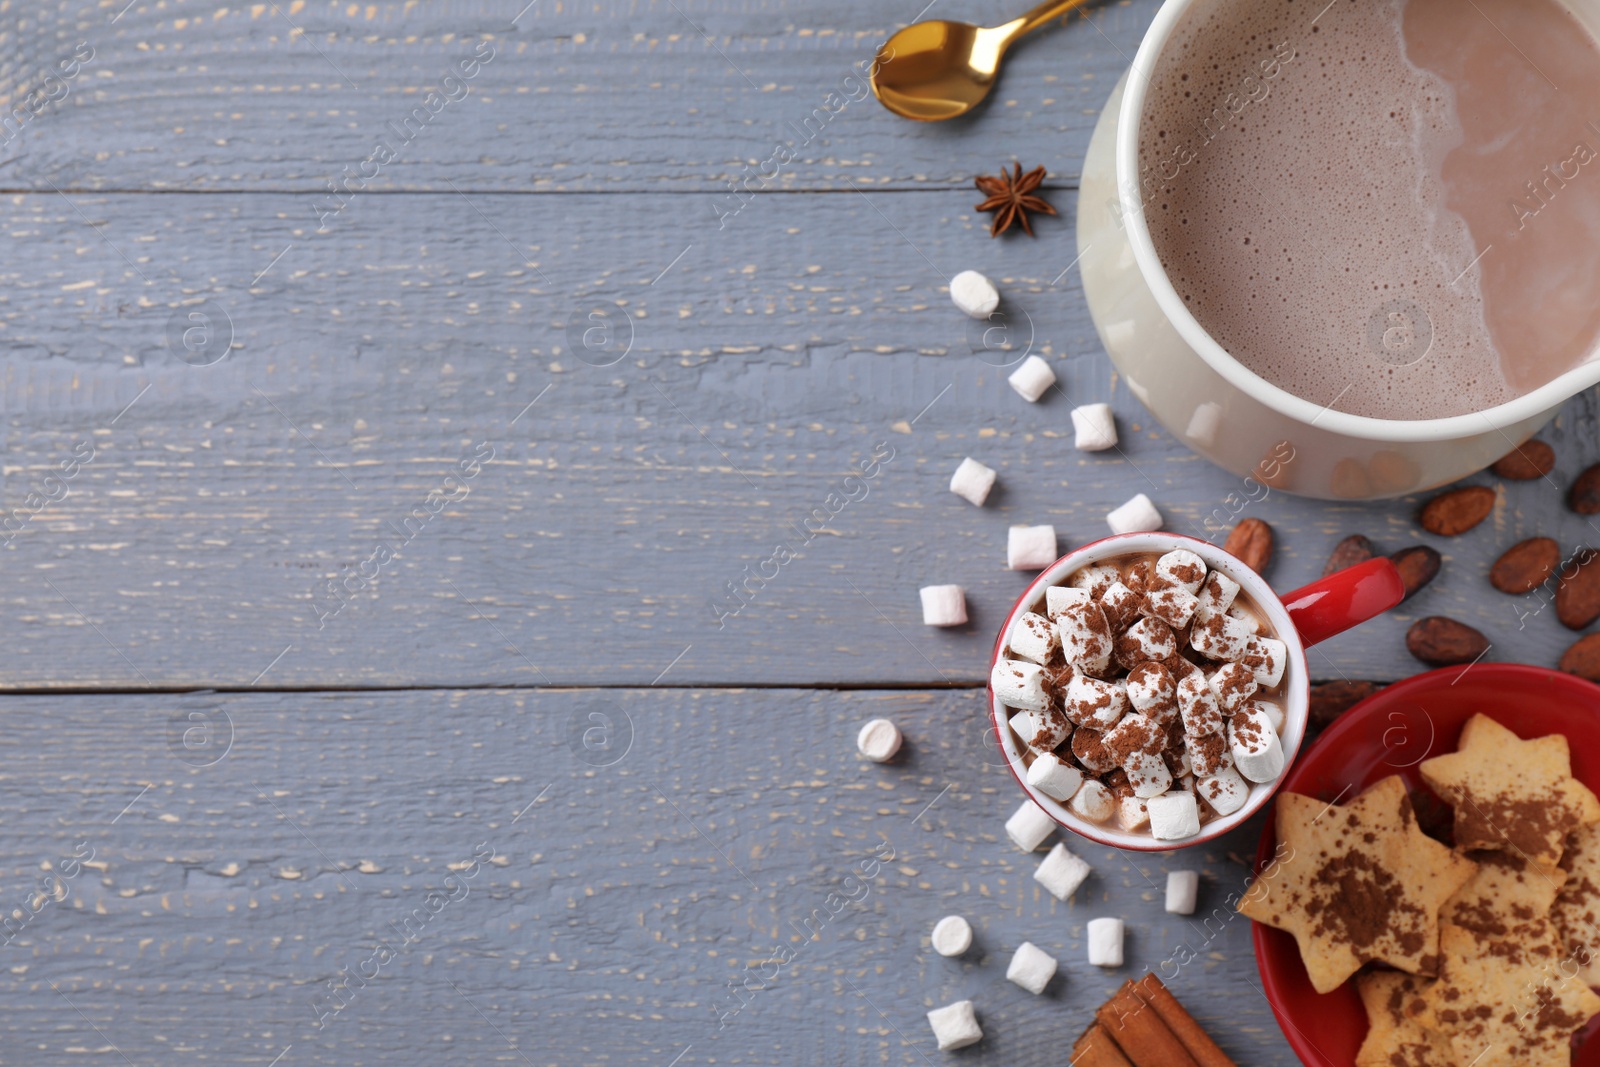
(1418, 565)
(1444, 642)
(1578, 591)
(1583, 658)
(1457, 511)
(1526, 565)
(1529, 460)
(1347, 553)
(1584, 496)
(1251, 543)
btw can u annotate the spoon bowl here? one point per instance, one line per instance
(936, 70)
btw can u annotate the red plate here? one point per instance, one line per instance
(1390, 733)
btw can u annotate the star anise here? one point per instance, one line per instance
(1010, 197)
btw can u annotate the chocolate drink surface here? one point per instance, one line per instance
(1391, 207)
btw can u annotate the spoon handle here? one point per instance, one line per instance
(1040, 15)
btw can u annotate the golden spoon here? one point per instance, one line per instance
(937, 70)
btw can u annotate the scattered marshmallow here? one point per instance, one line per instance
(1062, 872)
(1266, 658)
(1183, 889)
(1030, 548)
(943, 605)
(1226, 791)
(1031, 967)
(1042, 729)
(974, 294)
(1204, 424)
(1183, 568)
(1133, 813)
(1058, 598)
(1033, 638)
(952, 935)
(1053, 777)
(1092, 702)
(1029, 826)
(1257, 752)
(1094, 580)
(1233, 684)
(1121, 606)
(1136, 516)
(1198, 704)
(1032, 378)
(1094, 428)
(1086, 640)
(1105, 942)
(879, 740)
(1174, 816)
(1019, 684)
(1216, 595)
(955, 1025)
(1092, 801)
(972, 481)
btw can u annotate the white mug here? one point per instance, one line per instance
(1211, 401)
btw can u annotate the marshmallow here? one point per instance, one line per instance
(1031, 967)
(1092, 702)
(943, 605)
(1174, 816)
(1042, 729)
(1030, 548)
(1092, 801)
(1266, 657)
(972, 481)
(955, 1025)
(1095, 580)
(1105, 942)
(974, 294)
(1089, 748)
(1132, 813)
(1204, 424)
(1144, 641)
(1152, 691)
(1198, 704)
(1029, 826)
(1121, 606)
(1181, 567)
(952, 935)
(1233, 684)
(1136, 516)
(1033, 638)
(1183, 889)
(1094, 428)
(879, 740)
(1274, 714)
(1085, 635)
(1216, 595)
(1019, 684)
(1248, 617)
(1257, 753)
(1061, 872)
(1185, 782)
(1172, 604)
(1058, 598)
(1180, 668)
(1226, 792)
(1032, 378)
(1209, 754)
(1054, 778)
(1148, 774)
(1178, 760)
(1220, 637)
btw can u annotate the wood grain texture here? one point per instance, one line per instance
(767, 362)
(624, 899)
(652, 96)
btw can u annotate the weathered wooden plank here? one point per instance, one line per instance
(632, 883)
(767, 362)
(664, 94)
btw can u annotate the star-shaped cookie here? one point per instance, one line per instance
(1511, 794)
(1508, 1000)
(1576, 911)
(1393, 1001)
(1505, 890)
(1356, 882)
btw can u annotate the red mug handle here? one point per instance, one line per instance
(1344, 599)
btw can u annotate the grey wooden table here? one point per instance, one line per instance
(365, 617)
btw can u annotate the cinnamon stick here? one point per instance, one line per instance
(1140, 1032)
(1188, 1032)
(1094, 1048)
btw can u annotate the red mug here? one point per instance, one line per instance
(1300, 619)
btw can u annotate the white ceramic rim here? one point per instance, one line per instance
(1297, 687)
(1528, 406)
